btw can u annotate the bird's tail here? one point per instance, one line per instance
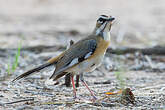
(50, 62)
(24, 75)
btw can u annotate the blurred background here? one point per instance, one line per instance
(54, 22)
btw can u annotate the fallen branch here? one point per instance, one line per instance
(157, 50)
(24, 100)
(67, 77)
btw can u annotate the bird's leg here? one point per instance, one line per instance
(74, 89)
(85, 84)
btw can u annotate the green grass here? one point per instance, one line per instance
(12, 68)
(121, 72)
(120, 76)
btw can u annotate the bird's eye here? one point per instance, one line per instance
(101, 20)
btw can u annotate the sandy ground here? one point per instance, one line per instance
(55, 22)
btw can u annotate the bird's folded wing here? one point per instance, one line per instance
(77, 53)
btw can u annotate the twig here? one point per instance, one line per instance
(67, 80)
(58, 103)
(77, 80)
(157, 50)
(67, 77)
(24, 100)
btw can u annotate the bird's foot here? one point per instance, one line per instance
(77, 98)
(94, 98)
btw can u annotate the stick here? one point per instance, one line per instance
(67, 77)
(157, 50)
(24, 100)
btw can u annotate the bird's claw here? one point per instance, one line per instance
(94, 99)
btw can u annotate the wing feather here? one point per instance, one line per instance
(77, 53)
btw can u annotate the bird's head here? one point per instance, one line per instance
(103, 24)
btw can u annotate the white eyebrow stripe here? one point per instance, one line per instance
(88, 55)
(103, 17)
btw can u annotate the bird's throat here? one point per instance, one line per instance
(106, 36)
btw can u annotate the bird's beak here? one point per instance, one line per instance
(111, 19)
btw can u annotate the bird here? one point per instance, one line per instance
(82, 57)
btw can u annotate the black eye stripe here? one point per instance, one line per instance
(102, 20)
